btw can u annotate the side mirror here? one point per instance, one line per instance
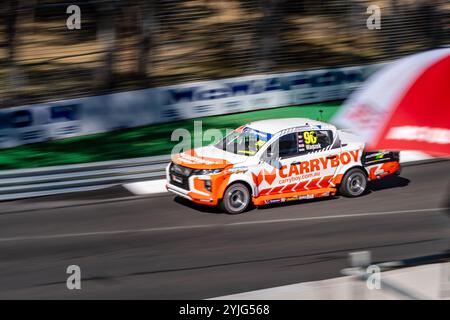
(276, 163)
(271, 156)
(267, 156)
(271, 161)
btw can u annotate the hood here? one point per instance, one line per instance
(208, 157)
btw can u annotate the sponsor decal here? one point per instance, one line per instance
(170, 103)
(299, 171)
(234, 88)
(306, 196)
(296, 198)
(300, 177)
(193, 159)
(377, 155)
(273, 201)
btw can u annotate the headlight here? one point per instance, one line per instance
(180, 169)
(206, 171)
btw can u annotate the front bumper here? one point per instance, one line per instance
(192, 195)
(178, 191)
(194, 188)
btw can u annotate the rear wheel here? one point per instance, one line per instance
(354, 183)
(235, 199)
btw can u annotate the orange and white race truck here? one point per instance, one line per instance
(272, 161)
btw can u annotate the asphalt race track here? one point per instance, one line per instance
(158, 247)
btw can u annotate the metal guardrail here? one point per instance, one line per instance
(27, 183)
(37, 182)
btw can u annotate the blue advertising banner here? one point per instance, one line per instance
(76, 117)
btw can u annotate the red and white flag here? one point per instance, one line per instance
(404, 106)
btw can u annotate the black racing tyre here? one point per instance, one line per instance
(354, 183)
(236, 199)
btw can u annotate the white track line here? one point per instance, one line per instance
(148, 230)
(337, 216)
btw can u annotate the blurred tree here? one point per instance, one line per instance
(107, 17)
(133, 44)
(431, 22)
(146, 26)
(389, 22)
(11, 11)
(268, 34)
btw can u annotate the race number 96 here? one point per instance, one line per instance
(310, 137)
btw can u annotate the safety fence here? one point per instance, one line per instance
(28, 183)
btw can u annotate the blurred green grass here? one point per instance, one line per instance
(142, 141)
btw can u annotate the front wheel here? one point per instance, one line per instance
(235, 199)
(354, 183)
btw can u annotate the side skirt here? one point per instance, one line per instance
(292, 196)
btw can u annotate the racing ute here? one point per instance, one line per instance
(273, 161)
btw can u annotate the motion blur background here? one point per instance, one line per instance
(152, 247)
(127, 45)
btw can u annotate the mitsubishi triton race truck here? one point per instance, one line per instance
(272, 161)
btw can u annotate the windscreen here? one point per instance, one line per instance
(244, 141)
